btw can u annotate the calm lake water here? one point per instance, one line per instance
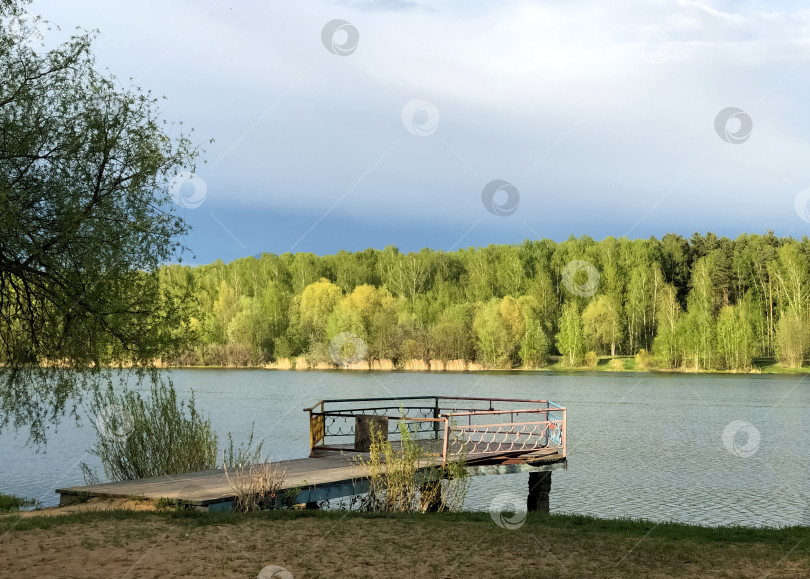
(660, 447)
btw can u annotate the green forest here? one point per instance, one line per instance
(696, 304)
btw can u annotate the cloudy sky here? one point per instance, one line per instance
(599, 118)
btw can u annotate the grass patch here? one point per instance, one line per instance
(771, 366)
(10, 503)
(603, 364)
(364, 544)
(579, 523)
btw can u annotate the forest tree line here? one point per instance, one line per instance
(703, 303)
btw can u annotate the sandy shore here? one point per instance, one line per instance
(116, 544)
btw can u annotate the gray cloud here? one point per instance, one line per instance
(564, 101)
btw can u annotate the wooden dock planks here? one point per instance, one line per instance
(336, 470)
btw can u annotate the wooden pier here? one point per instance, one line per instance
(491, 436)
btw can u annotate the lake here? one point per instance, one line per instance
(706, 449)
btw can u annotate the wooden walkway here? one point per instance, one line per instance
(330, 476)
(494, 436)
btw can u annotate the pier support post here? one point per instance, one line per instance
(362, 430)
(539, 489)
(430, 496)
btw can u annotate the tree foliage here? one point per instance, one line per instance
(86, 219)
(705, 303)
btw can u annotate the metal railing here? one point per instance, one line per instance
(446, 426)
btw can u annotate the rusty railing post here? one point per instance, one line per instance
(446, 440)
(564, 430)
(436, 416)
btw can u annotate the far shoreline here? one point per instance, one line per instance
(607, 364)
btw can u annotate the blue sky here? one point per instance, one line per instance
(601, 115)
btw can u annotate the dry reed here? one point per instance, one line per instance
(255, 486)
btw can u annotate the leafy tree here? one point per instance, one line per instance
(640, 304)
(752, 263)
(542, 289)
(317, 302)
(510, 272)
(481, 278)
(534, 344)
(274, 304)
(698, 325)
(601, 325)
(405, 275)
(304, 270)
(571, 339)
(676, 263)
(791, 276)
(370, 313)
(226, 306)
(451, 335)
(87, 218)
(792, 340)
(499, 326)
(736, 344)
(667, 345)
(248, 328)
(354, 269)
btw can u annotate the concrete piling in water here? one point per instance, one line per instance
(539, 490)
(430, 496)
(363, 428)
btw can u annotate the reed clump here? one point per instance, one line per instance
(383, 364)
(256, 487)
(11, 503)
(407, 480)
(455, 366)
(416, 365)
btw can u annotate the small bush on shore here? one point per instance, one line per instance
(255, 486)
(405, 480)
(143, 437)
(10, 503)
(644, 360)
